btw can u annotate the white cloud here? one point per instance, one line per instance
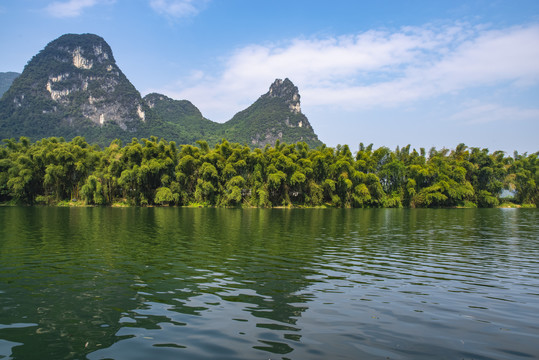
(72, 8)
(491, 113)
(178, 8)
(373, 68)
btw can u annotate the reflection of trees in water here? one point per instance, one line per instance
(58, 272)
(264, 260)
(84, 274)
(270, 261)
(260, 258)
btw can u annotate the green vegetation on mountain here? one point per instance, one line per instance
(73, 87)
(6, 79)
(276, 115)
(184, 121)
(152, 172)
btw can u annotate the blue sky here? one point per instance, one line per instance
(425, 73)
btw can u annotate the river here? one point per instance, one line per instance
(204, 283)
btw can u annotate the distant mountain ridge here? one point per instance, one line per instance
(73, 87)
(6, 79)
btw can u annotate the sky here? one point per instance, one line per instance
(387, 72)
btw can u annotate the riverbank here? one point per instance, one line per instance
(124, 204)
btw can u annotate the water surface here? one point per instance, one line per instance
(179, 283)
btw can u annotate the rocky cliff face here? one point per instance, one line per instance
(288, 92)
(74, 80)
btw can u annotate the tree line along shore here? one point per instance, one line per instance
(153, 171)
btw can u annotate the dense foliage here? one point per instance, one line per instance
(148, 171)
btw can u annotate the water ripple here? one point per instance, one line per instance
(257, 284)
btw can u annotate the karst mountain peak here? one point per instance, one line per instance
(74, 87)
(287, 91)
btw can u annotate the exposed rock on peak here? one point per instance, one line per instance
(84, 50)
(287, 91)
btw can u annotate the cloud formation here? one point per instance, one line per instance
(490, 113)
(373, 68)
(72, 8)
(177, 8)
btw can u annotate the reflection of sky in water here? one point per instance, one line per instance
(7, 346)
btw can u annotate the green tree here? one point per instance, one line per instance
(165, 196)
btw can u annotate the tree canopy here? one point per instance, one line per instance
(158, 172)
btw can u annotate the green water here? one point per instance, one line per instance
(175, 283)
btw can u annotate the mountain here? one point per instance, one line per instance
(276, 115)
(73, 87)
(183, 118)
(6, 79)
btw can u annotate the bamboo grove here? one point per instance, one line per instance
(157, 172)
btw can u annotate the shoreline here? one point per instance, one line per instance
(80, 204)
